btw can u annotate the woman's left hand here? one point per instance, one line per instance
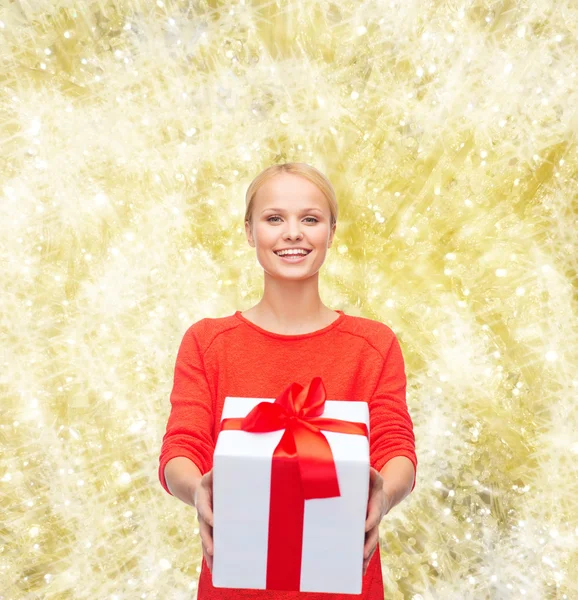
(377, 507)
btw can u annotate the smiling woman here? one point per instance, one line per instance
(290, 220)
(291, 211)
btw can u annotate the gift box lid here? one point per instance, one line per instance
(244, 443)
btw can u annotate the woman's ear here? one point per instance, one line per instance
(333, 228)
(249, 232)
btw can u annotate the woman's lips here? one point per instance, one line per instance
(294, 258)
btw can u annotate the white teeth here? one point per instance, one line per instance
(292, 253)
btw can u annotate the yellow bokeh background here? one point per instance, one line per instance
(130, 132)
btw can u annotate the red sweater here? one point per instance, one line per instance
(357, 358)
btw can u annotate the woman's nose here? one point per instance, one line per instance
(294, 230)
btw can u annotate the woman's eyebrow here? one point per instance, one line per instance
(281, 210)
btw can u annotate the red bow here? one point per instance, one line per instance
(302, 468)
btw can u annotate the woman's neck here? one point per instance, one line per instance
(291, 322)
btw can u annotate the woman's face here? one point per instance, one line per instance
(290, 212)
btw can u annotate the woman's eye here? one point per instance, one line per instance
(275, 217)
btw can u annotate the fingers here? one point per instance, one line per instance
(375, 478)
(207, 485)
(204, 504)
(208, 559)
(375, 506)
(208, 513)
(372, 473)
(371, 539)
(367, 561)
(373, 512)
(206, 532)
(205, 517)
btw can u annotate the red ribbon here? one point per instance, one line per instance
(302, 468)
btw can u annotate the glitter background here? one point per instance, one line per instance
(130, 131)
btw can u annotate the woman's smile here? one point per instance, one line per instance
(293, 258)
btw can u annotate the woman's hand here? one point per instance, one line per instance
(377, 507)
(203, 501)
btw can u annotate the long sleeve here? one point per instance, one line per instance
(390, 423)
(190, 423)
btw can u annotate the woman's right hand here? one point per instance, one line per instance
(203, 501)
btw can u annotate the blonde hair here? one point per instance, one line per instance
(295, 168)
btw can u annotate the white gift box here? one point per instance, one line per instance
(334, 528)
